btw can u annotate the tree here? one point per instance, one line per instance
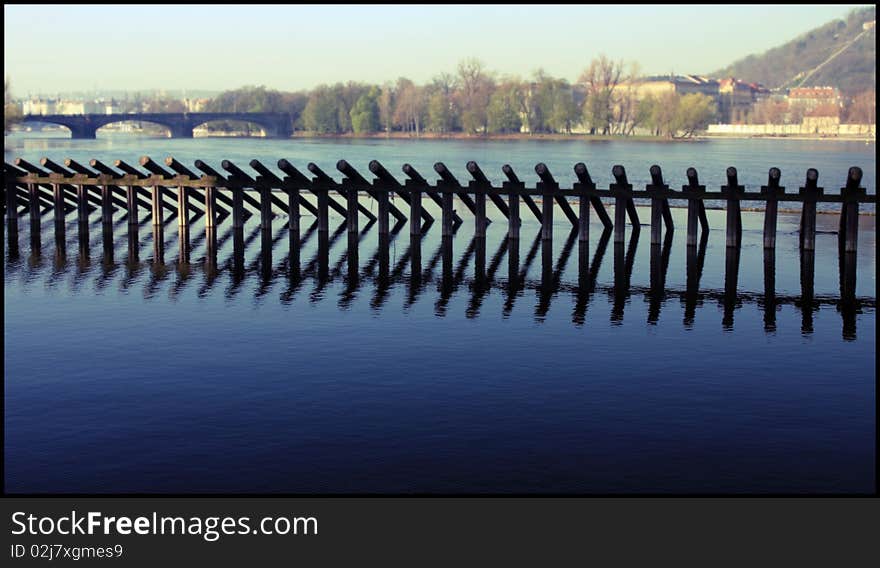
(365, 113)
(475, 90)
(321, 114)
(440, 112)
(695, 111)
(503, 113)
(386, 107)
(600, 78)
(410, 107)
(769, 111)
(665, 115)
(863, 109)
(563, 111)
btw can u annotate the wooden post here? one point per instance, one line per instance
(622, 191)
(447, 211)
(82, 205)
(158, 211)
(106, 205)
(548, 188)
(382, 207)
(546, 212)
(211, 207)
(734, 219)
(810, 192)
(693, 188)
(772, 190)
(293, 209)
(58, 194)
(415, 211)
(352, 203)
(584, 184)
(131, 201)
(658, 203)
(850, 221)
(323, 195)
(480, 213)
(11, 201)
(513, 187)
(237, 208)
(265, 208)
(513, 219)
(183, 206)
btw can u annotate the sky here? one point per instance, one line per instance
(50, 49)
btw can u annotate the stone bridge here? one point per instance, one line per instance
(275, 124)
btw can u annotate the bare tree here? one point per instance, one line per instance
(600, 78)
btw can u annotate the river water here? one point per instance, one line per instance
(143, 362)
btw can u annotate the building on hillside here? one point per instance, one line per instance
(808, 98)
(736, 98)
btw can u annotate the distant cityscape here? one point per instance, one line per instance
(735, 102)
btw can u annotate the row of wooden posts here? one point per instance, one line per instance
(294, 270)
(75, 186)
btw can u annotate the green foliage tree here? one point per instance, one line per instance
(440, 115)
(321, 114)
(365, 113)
(695, 111)
(503, 112)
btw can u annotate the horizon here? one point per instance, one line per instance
(662, 32)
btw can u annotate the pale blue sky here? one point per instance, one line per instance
(65, 48)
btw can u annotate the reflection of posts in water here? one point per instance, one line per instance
(731, 276)
(623, 266)
(294, 254)
(848, 306)
(58, 194)
(482, 284)
(12, 239)
(107, 238)
(60, 248)
(158, 243)
(210, 251)
(480, 258)
(587, 274)
(519, 279)
(769, 287)
(658, 268)
(238, 249)
(808, 265)
(60, 238)
(550, 276)
(184, 244)
(415, 256)
(696, 257)
(266, 251)
(323, 257)
(353, 260)
(134, 244)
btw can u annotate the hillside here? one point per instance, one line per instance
(839, 53)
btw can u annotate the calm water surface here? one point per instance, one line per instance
(148, 361)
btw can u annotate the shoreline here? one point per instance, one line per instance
(459, 137)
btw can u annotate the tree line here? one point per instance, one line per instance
(474, 100)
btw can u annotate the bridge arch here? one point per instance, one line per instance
(39, 121)
(168, 130)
